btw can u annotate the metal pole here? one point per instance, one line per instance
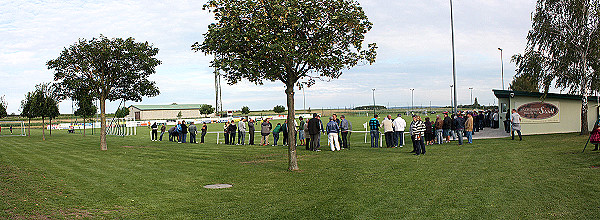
(453, 56)
(451, 101)
(502, 64)
(373, 102)
(304, 97)
(472, 104)
(412, 99)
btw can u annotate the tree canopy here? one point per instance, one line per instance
(564, 48)
(108, 69)
(3, 107)
(294, 42)
(279, 109)
(206, 109)
(122, 112)
(245, 110)
(524, 83)
(44, 104)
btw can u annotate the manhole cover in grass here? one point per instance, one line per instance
(218, 186)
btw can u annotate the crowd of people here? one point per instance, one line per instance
(178, 133)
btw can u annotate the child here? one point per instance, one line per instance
(595, 137)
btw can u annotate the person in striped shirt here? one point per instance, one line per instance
(418, 128)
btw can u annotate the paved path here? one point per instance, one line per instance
(489, 133)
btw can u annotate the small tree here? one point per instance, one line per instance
(245, 110)
(85, 107)
(279, 109)
(294, 42)
(179, 115)
(3, 107)
(44, 104)
(122, 112)
(26, 110)
(206, 109)
(476, 103)
(110, 69)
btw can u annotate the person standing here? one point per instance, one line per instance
(374, 126)
(412, 133)
(204, 130)
(439, 130)
(459, 124)
(469, 126)
(179, 132)
(446, 128)
(226, 132)
(314, 131)
(265, 130)
(154, 136)
(301, 131)
(595, 137)
(388, 131)
(232, 129)
(172, 133)
(419, 131)
(339, 122)
(163, 128)
(507, 122)
(193, 131)
(306, 135)
(284, 130)
(10, 129)
(276, 131)
(515, 120)
(399, 126)
(345, 128)
(251, 132)
(242, 132)
(183, 132)
(495, 123)
(428, 131)
(332, 134)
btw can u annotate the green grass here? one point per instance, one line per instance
(67, 176)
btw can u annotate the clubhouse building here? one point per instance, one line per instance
(556, 113)
(155, 112)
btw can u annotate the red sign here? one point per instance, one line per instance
(537, 110)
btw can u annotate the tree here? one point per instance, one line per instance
(179, 115)
(109, 69)
(44, 103)
(85, 107)
(565, 42)
(122, 112)
(245, 110)
(294, 42)
(279, 109)
(26, 110)
(3, 107)
(476, 103)
(206, 109)
(524, 83)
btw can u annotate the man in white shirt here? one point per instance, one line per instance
(399, 126)
(388, 129)
(242, 131)
(515, 120)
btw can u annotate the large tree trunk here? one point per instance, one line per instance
(584, 115)
(292, 158)
(103, 124)
(43, 129)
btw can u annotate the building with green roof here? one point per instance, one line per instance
(155, 112)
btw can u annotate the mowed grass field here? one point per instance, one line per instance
(67, 176)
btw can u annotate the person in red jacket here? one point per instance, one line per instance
(595, 136)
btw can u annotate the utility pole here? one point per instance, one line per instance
(453, 56)
(218, 101)
(502, 64)
(373, 102)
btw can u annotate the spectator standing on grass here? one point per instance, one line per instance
(154, 135)
(345, 128)
(374, 127)
(276, 131)
(251, 132)
(595, 137)
(429, 134)
(226, 132)
(172, 133)
(163, 128)
(232, 130)
(301, 131)
(399, 126)
(265, 130)
(339, 122)
(459, 124)
(412, 133)
(314, 130)
(179, 132)
(10, 128)
(242, 132)
(204, 130)
(515, 120)
(388, 131)
(419, 132)
(183, 132)
(306, 136)
(332, 134)
(193, 131)
(439, 130)
(447, 127)
(284, 130)
(469, 126)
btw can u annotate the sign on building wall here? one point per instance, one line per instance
(539, 112)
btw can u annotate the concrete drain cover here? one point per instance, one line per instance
(218, 186)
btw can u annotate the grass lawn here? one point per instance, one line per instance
(67, 176)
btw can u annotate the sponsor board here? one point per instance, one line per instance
(539, 112)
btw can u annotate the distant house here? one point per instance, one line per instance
(152, 112)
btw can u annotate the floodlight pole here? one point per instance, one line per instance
(412, 99)
(472, 104)
(373, 102)
(451, 101)
(453, 56)
(502, 64)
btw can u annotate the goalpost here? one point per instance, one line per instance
(12, 128)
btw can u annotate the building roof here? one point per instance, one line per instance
(506, 94)
(167, 107)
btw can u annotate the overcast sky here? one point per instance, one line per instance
(413, 37)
